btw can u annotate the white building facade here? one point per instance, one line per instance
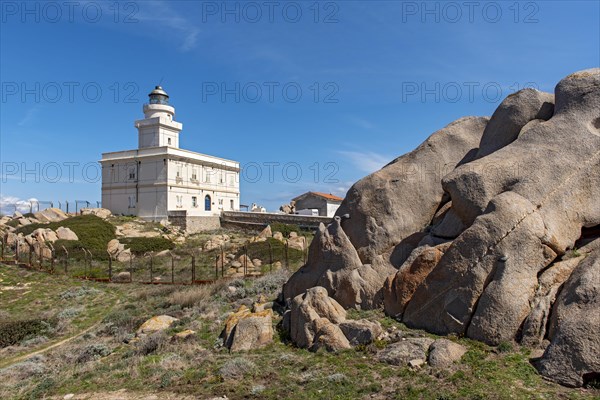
(159, 180)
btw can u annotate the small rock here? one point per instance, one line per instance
(156, 324)
(184, 335)
(66, 234)
(444, 352)
(402, 352)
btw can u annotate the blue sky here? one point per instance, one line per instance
(337, 87)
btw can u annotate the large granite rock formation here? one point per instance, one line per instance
(472, 232)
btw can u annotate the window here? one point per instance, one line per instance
(194, 201)
(220, 202)
(131, 201)
(194, 174)
(179, 171)
(231, 204)
(179, 200)
(169, 141)
(207, 203)
(131, 174)
(207, 175)
(222, 178)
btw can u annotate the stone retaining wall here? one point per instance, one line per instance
(260, 220)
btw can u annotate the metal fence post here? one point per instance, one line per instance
(193, 269)
(52, 253)
(89, 269)
(151, 266)
(222, 261)
(172, 267)
(287, 259)
(304, 248)
(30, 255)
(66, 259)
(270, 256)
(245, 260)
(2, 249)
(109, 266)
(130, 267)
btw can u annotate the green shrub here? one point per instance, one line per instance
(93, 232)
(13, 332)
(141, 245)
(13, 223)
(285, 228)
(505, 347)
(92, 352)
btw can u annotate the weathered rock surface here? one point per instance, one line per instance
(50, 215)
(156, 324)
(334, 264)
(361, 331)
(550, 281)
(443, 353)
(328, 336)
(399, 288)
(473, 232)
(573, 356)
(66, 233)
(308, 307)
(402, 197)
(403, 352)
(266, 233)
(514, 113)
(252, 331)
(98, 212)
(485, 282)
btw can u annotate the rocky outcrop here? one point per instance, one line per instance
(402, 198)
(308, 307)
(335, 265)
(473, 232)
(316, 321)
(251, 331)
(98, 212)
(399, 288)
(573, 356)
(50, 215)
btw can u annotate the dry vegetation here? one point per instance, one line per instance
(108, 358)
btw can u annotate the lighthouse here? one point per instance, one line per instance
(158, 128)
(159, 180)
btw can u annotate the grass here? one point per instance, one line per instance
(199, 368)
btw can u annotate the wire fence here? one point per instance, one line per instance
(181, 267)
(33, 206)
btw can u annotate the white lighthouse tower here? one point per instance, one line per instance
(159, 180)
(158, 128)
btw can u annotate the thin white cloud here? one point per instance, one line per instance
(362, 123)
(366, 161)
(10, 204)
(161, 15)
(29, 117)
